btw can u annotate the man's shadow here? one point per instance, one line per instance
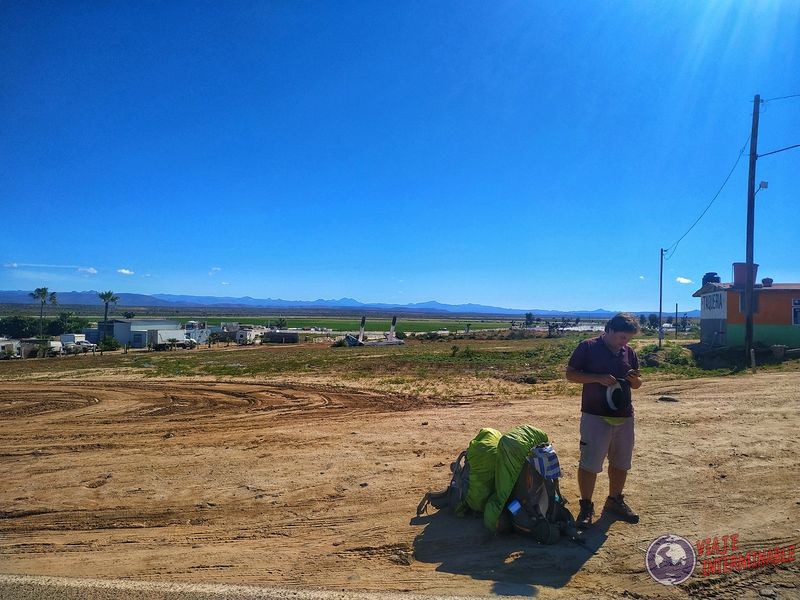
(517, 564)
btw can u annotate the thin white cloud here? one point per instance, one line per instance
(14, 265)
(683, 280)
(78, 268)
(641, 276)
(226, 283)
(124, 271)
(214, 271)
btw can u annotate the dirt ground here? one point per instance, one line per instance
(306, 485)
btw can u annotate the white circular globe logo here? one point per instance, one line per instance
(670, 559)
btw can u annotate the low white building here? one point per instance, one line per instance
(198, 331)
(31, 347)
(132, 332)
(247, 336)
(9, 347)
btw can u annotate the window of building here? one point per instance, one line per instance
(796, 311)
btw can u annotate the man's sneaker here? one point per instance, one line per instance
(617, 506)
(584, 520)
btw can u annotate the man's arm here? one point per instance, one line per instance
(634, 378)
(576, 376)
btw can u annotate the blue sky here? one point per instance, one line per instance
(517, 154)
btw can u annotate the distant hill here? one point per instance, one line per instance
(82, 299)
(89, 298)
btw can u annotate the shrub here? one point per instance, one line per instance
(679, 356)
(108, 343)
(468, 353)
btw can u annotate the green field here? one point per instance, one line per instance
(338, 324)
(350, 324)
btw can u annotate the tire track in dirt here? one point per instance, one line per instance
(80, 416)
(16, 403)
(156, 399)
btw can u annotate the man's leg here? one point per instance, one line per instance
(586, 481)
(595, 440)
(619, 461)
(616, 480)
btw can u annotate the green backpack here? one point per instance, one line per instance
(472, 477)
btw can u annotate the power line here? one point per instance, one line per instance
(719, 191)
(776, 151)
(780, 98)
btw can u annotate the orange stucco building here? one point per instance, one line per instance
(776, 317)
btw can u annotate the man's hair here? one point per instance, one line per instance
(623, 322)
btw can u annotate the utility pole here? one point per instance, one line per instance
(660, 296)
(751, 202)
(675, 324)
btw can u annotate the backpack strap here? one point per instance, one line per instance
(436, 499)
(457, 489)
(449, 495)
(422, 507)
(458, 464)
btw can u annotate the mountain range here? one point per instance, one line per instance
(89, 298)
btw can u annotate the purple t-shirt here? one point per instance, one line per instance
(593, 356)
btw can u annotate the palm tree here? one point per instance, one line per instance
(107, 298)
(43, 295)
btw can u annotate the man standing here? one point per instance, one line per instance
(608, 369)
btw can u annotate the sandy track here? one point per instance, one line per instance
(315, 487)
(27, 587)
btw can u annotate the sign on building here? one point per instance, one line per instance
(714, 306)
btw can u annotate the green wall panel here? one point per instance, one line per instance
(788, 335)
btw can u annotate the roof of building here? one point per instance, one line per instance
(711, 287)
